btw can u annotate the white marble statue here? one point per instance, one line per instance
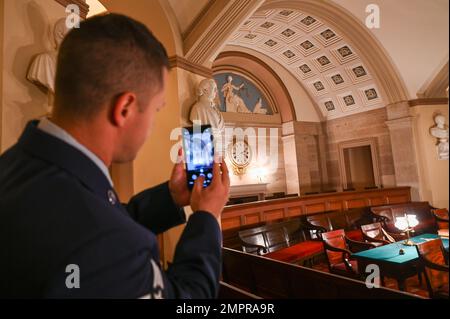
(205, 110)
(42, 70)
(233, 102)
(440, 131)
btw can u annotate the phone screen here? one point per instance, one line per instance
(198, 144)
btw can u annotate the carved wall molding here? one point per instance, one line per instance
(428, 101)
(182, 63)
(400, 123)
(199, 17)
(213, 28)
(437, 86)
(84, 7)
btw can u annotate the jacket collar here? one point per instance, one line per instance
(68, 158)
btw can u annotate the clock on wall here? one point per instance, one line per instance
(240, 154)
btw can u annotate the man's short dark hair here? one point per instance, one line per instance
(107, 56)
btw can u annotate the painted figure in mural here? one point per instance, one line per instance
(42, 70)
(440, 131)
(233, 102)
(205, 110)
(259, 108)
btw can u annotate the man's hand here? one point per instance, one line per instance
(178, 183)
(213, 198)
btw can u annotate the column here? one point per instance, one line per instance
(290, 159)
(400, 125)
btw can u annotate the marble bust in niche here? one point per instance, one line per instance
(42, 69)
(440, 131)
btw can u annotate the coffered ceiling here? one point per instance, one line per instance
(415, 35)
(328, 67)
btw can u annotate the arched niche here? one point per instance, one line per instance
(153, 167)
(154, 15)
(150, 168)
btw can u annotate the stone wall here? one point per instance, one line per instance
(359, 126)
(26, 28)
(259, 171)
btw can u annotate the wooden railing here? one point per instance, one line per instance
(236, 216)
(267, 278)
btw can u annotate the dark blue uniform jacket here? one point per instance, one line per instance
(58, 211)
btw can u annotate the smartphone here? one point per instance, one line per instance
(198, 145)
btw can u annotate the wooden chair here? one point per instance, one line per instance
(441, 217)
(375, 234)
(338, 251)
(432, 261)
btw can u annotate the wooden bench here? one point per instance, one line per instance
(387, 214)
(350, 220)
(298, 240)
(288, 241)
(270, 278)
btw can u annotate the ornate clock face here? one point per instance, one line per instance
(240, 155)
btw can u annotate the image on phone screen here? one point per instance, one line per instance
(198, 145)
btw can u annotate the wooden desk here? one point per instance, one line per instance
(257, 212)
(391, 263)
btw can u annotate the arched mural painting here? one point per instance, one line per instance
(239, 95)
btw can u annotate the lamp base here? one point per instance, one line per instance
(408, 243)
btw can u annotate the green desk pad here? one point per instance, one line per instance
(390, 253)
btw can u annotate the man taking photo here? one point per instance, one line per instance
(58, 207)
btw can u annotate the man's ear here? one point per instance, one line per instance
(123, 107)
